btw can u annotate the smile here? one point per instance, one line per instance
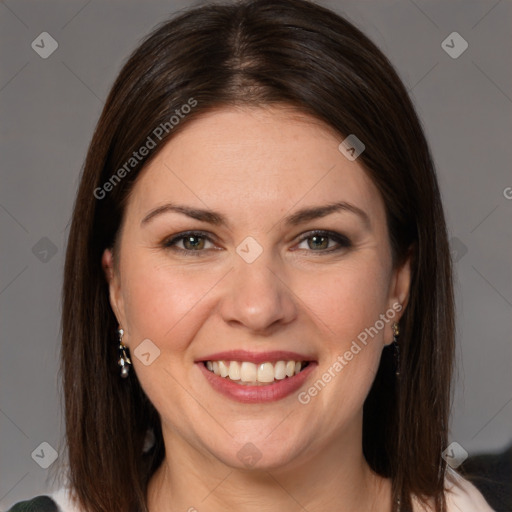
(252, 390)
(248, 373)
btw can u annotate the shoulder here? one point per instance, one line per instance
(461, 495)
(58, 501)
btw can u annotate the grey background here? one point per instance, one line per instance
(48, 110)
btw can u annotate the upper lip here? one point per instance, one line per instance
(256, 357)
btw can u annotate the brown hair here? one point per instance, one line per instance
(261, 52)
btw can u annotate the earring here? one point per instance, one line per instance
(124, 360)
(396, 346)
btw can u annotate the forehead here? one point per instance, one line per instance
(244, 159)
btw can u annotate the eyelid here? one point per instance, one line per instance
(170, 242)
(342, 240)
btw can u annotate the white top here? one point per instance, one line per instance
(461, 496)
(63, 500)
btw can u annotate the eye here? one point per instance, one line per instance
(192, 241)
(324, 241)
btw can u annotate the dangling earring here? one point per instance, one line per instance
(124, 360)
(396, 332)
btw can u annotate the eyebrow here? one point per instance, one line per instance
(299, 217)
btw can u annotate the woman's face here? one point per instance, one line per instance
(255, 277)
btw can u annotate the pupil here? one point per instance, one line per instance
(319, 242)
(191, 244)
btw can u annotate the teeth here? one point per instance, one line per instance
(234, 370)
(266, 372)
(223, 368)
(249, 373)
(280, 370)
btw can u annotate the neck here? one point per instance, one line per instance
(336, 477)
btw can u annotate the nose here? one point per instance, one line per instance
(258, 297)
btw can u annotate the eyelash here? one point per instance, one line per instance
(342, 241)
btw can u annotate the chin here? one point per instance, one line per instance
(260, 454)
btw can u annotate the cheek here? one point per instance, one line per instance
(166, 305)
(346, 305)
(347, 299)
(160, 300)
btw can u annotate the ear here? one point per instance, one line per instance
(398, 297)
(114, 285)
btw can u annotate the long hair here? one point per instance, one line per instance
(261, 52)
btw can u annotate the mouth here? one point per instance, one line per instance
(256, 377)
(246, 373)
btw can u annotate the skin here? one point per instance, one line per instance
(256, 166)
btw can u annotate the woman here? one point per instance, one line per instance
(258, 309)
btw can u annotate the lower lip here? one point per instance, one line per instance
(257, 394)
